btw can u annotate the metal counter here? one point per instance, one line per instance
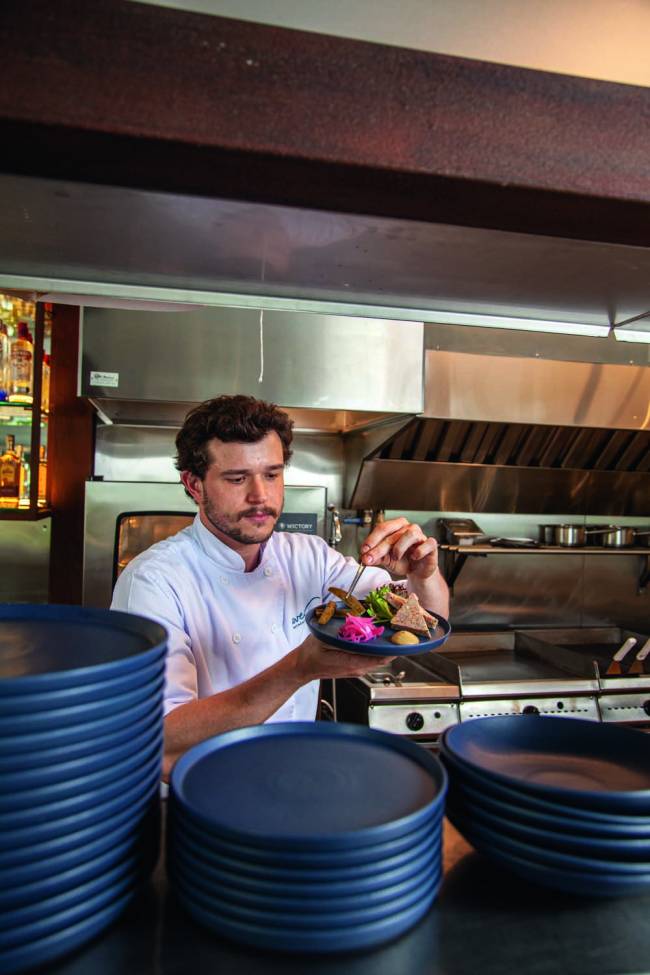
(483, 921)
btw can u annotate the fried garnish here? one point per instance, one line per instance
(327, 613)
(351, 601)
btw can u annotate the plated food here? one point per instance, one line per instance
(388, 621)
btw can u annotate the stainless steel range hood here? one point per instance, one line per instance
(516, 436)
(333, 373)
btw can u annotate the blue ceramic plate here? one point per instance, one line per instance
(126, 851)
(45, 721)
(254, 911)
(309, 785)
(48, 792)
(49, 812)
(497, 833)
(381, 645)
(17, 875)
(25, 927)
(43, 648)
(43, 951)
(19, 747)
(570, 881)
(574, 762)
(335, 882)
(565, 834)
(126, 819)
(334, 939)
(299, 860)
(586, 820)
(63, 697)
(58, 774)
(139, 789)
(84, 747)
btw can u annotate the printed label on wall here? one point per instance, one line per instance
(297, 523)
(105, 379)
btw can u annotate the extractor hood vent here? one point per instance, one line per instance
(519, 445)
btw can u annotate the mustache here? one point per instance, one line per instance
(257, 511)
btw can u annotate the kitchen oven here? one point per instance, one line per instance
(551, 671)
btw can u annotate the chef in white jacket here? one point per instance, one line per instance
(233, 594)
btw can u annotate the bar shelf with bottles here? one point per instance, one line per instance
(25, 341)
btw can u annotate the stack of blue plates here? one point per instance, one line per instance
(80, 756)
(310, 837)
(559, 801)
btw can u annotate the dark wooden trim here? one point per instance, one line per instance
(141, 96)
(70, 458)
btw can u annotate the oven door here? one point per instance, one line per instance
(123, 518)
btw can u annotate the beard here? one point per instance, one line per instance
(229, 525)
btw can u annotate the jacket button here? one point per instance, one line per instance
(223, 580)
(274, 628)
(268, 571)
(236, 638)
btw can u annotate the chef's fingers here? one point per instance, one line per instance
(380, 552)
(382, 531)
(410, 540)
(426, 551)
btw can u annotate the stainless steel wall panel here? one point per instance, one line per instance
(298, 360)
(461, 385)
(25, 560)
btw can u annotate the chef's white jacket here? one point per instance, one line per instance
(224, 624)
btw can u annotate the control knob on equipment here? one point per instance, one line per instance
(414, 721)
(530, 709)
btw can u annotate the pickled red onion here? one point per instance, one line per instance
(359, 629)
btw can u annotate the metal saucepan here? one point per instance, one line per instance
(617, 536)
(572, 536)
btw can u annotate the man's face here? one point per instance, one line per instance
(242, 493)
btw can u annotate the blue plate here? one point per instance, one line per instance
(298, 897)
(49, 647)
(379, 646)
(48, 792)
(126, 851)
(582, 819)
(19, 747)
(17, 875)
(97, 894)
(59, 827)
(58, 774)
(565, 834)
(63, 697)
(49, 812)
(334, 939)
(498, 833)
(569, 881)
(571, 761)
(299, 860)
(127, 818)
(46, 721)
(82, 748)
(309, 785)
(334, 882)
(43, 951)
(222, 900)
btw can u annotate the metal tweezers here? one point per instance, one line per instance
(355, 581)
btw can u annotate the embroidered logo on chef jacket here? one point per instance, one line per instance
(299, 620)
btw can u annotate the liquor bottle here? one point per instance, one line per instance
(4, 362)
(42, 476)
(45, 383)
(24, 478)
(21, 357)
(9, 474)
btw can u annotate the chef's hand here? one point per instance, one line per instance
(315, 661)
(402, 548)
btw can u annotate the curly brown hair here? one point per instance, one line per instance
(240, 419)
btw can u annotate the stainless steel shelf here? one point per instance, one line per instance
(544, 550)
